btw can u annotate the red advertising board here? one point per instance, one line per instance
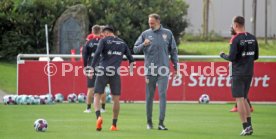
(197, 78)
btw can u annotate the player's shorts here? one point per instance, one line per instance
(240, 86)
(91, 82)
(113, 81)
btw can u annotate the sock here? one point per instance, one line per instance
(236, 106)
(161, 122)
(249, 121)
(244, 125)
(103, 106)
(149, 121)
(114, 122)
(98, 114)
(88, 106)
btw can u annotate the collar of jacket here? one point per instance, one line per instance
(155, 30)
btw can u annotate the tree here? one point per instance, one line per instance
(130, 17)
(22, 21)
(22, 25)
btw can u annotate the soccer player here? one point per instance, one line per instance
(243, 51)
(87, 54)
(157, 43)
(111, 49)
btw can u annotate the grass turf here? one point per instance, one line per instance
(214, 48)
(189, 121)
(8, 77)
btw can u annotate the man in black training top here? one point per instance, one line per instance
(87, 54)
(111, 49)
(243, 51)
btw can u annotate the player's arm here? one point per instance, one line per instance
(130, 59)
(256, 56)
(232, 53)
(139, 44)
(85, 55)
(128, 55)
(173, 52)
(97, 53)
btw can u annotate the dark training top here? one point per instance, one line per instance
(89, 49)
(110, 52)
(244, 50)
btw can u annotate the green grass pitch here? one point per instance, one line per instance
(185, 121)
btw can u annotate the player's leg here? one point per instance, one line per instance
(242, 111)
(162, 91)
(238, 87)
(116, 110)
(115, 86)
(103, 101)
(100, 84)
(97, 107)
(90, 93)
(150, 89)
(246, 103)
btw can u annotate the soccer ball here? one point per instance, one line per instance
(108, 98)
(40, 125)
(29, 100)
(81, 98)
(72, 98)
(36, 99)
(107, 90)
(23, 99)
(9, 99)
(18, 99)
(59, 98)
(46, 99)
(204, 99)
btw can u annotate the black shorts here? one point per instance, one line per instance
(240, 86)
(91, 82)
(113, 81)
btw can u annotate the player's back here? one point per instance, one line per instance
(247, 52)
(113, 51)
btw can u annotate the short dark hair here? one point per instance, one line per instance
(155, 16)
(96, 29)
(240, 20)
(108, 28)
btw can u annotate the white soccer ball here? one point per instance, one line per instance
(72, 98)
(107, 90)
(9, 99)
(6, 99)
(108, 98)
(46, 99)
(204, 99)
(29, 100)
(36, 99)
(40, 125)
(18, 100)
(59, 98)
(23, 100)
(81, 98)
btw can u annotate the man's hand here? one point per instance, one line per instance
(221, 53)
(176, 74)
(146, 42)
(89, 73)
